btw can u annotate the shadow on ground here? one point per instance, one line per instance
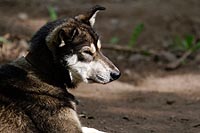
(122, 108)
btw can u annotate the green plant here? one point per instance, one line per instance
(52, 13)
(186, 44)
(3, 40)
(135, 35)
(114, 40)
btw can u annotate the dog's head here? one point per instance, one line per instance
(77, 47)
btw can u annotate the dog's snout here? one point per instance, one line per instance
(115, 75)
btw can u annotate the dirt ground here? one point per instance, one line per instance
(167, 104)
(147, 98)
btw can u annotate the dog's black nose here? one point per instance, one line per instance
(115, 75)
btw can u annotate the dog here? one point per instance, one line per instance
(34, 93)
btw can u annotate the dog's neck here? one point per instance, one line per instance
(52, 72)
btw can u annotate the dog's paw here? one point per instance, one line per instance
(91, 130)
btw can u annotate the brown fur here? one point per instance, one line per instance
(29, 104)
(33, 94)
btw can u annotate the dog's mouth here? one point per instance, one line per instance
(91, 80)
(94, 81)
(98, 79)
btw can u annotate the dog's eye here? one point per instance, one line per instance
(88, 52)
(86, 55)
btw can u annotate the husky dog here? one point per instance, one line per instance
(33, 89)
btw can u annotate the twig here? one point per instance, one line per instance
(179, 61)
(119, 48)
(197, 125)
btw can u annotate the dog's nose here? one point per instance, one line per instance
(115, 75)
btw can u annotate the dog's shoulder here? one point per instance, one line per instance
(20, 78)
(12, 71)
(22, 75)
(13, 79)
(23, 95)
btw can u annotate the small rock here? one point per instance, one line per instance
(22, 16)
(90, 117)
(170, 102)
(167, 56)
(126, 118)
(127, 72)
(114, 21)
(120, 57)
(136, 58)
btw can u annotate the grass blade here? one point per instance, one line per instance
(52, 13)
(136, 33)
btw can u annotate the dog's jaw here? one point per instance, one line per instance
(78, 73)
(96, 71)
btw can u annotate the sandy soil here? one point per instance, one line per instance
(168, 104)
(147, 99)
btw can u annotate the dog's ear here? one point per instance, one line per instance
(60, 37)
(67, 35)
(89, 16)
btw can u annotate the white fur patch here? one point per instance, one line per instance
(72, 60)
(95, 71)
(92, 19)
(71, 76)
(99, 44)
(62, 44)
(93, 49)
(78, 70)
(91, 130)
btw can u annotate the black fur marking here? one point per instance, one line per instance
(43, 59)
(9, 71)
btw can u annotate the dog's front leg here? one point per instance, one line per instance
(91, 130)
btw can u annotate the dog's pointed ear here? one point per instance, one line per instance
(89, 17)
(66, 36)
(60, 37)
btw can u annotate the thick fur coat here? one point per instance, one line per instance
(33, 89)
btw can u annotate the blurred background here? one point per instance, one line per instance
(155, 44)
(156, 33)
